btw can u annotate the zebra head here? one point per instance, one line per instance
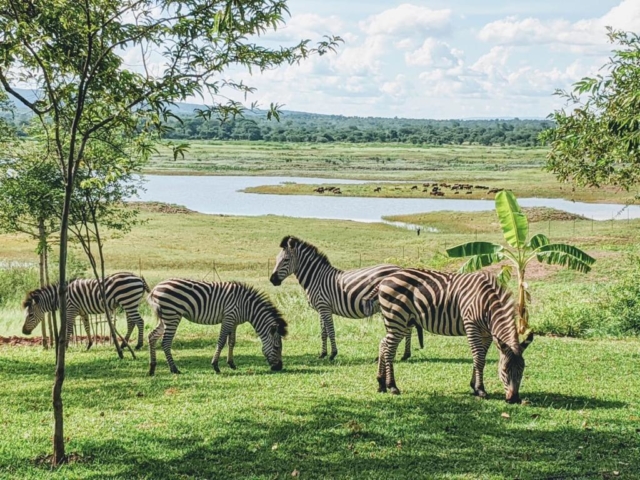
(272, 344)
(286, 261)
(511, 368)
(33, 311)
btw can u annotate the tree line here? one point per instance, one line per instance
(313, 128)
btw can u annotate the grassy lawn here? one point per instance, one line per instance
(343, 160)
(318, 419)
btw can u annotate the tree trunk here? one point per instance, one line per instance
(58, 419)
(523, 313)
(51, 316)
(42, 245)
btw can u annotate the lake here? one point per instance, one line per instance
(222, 195)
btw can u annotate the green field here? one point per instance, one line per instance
(324, 419)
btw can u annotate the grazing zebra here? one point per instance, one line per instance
(330, 290)
(228, 303)
(122, 289)
(452, 304)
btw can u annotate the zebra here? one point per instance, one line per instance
(330, 290)
(122, 289)
(452, 304)
(228, 303)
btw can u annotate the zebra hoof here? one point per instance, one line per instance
(139, 346)
(232, 365)
(394, 391)
(152, 369)
(382, 388)
(322, 355)
(216, 367)
(176, 371)
(480, 393)
(89, 345)
(405, 357)
(333, 355)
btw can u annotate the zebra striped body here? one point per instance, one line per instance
(455, 305)
(122, 289)
(330, 290)
(228, 303)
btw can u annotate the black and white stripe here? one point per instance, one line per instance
(228, 303)
(455, 305)
(330, 290)
(122, 289)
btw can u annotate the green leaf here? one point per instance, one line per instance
(569, 250)
(477, 262)
(505, 275)
(565, 260)
(538, 240)
(474, 248)
(515, 226)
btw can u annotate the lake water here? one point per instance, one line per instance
(222, 195)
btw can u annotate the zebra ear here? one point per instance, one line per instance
(526, 342)
(292, 242)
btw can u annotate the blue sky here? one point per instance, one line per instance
(442, 59)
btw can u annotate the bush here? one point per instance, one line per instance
(15, 282)
(593, 310)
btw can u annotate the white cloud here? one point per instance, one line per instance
(408, 19)
(578, 36)
(434, 52)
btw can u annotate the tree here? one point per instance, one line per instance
(71, 52)
(524, 250)
(30, 189)
(596, 140)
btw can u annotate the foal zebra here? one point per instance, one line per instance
(228, 303)
(452, 304)
(330, 290)
(122, 289)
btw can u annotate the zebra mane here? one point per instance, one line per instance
(35, 293)
(266, 302)
(290, 240)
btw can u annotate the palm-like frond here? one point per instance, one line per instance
(514, 223)
(476, 262)
(565, 260)
(538, 241)
(569, 250)
(474, 248)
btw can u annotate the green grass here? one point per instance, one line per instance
(323, 419)
(343, 160)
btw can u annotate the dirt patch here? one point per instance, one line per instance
(545, 214)
(16, 341)
(160, 207)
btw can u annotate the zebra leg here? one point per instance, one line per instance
(130, 325)
(87, 329)
(153, 338)
(323, 330)
(331, 333)
(382, 366)
(391, 343)
(407, 347)
(232, 343)
(479, 347)
(167, 340)
(134, 320)
(225, 331)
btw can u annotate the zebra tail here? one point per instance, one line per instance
(145, 285)
(371, 303)
(420, 335)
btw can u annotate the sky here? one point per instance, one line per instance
(442, 58)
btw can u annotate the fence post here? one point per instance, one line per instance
(361, 259)
(403, 251)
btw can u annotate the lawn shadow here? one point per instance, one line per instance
(347, 438)
(570, 402)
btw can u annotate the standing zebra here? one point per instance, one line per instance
(452, 304)
(122, 289)
(330, 290)
(228, 303)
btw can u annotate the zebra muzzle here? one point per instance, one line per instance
(275, 280)
(277, 367)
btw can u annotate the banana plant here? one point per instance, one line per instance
(521, 251)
